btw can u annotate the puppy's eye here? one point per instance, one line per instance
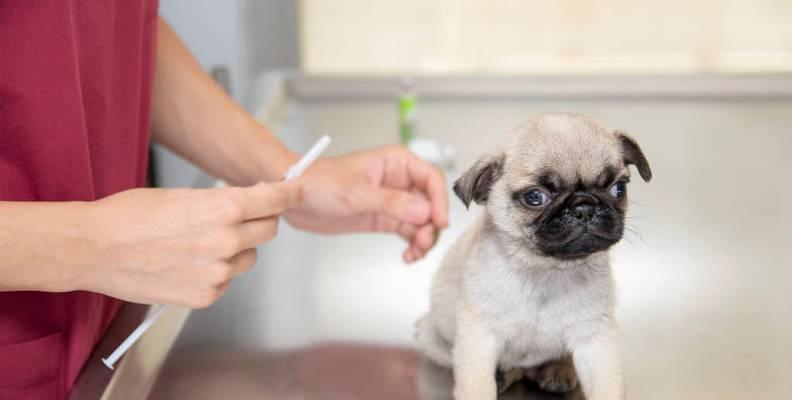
(534, 198)
(618, 190)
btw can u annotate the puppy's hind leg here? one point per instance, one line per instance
(557, 376)
(434, 346)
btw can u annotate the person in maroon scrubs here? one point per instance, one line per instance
(84, 85)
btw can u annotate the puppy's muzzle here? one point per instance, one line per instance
(583, 206)
(582, 225)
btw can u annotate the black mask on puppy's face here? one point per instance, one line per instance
(577, 219)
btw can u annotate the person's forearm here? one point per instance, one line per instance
(40, 243)
(154, 246)
(194, 117)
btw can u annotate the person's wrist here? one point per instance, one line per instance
(76, 246)
(282, 162)
(50, 252)
(273, 163)
(266, 158)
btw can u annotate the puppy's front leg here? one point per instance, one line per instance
(475, 358)
(598, 366)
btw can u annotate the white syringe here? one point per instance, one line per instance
(291, 174)
(307, 159)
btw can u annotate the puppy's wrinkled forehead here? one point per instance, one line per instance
(571, 146)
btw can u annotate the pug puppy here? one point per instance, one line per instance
(528, 287)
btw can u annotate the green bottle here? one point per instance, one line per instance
(408, 105)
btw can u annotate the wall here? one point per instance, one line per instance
(249, 37)
(539, 36)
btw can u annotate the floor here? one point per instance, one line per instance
(704, 278)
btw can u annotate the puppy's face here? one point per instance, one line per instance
(558, 186)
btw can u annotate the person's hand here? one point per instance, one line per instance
(382, 190)
(179, 246)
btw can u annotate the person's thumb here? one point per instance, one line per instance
(268, 199)
(401, 205)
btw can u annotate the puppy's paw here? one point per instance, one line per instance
(557, 376)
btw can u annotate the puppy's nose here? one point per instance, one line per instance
(583, 212)
(582, 206)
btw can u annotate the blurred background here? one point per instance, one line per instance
(703, 277)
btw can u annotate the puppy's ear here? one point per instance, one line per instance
(475, 184)
(633, 155)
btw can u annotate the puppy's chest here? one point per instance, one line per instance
(532, 320)
(532, 333)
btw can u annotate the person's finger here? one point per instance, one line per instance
(422, 242)
(410, 254)
(257, 231)
(268, 199)
(242, 262)
(407, 232)
(407, 256)
(386, 223)
(222, 288)
(429, 179)
(204, 297)
(425, 238)
(399, 204)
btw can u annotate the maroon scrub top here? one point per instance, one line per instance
(75, 97)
